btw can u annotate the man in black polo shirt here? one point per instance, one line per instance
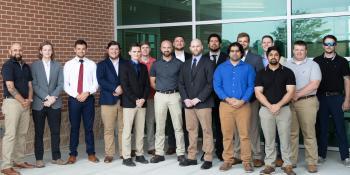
(334, 85)
(274, 88)
(18, 96)
(164, 79)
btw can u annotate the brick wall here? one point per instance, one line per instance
(30, 22)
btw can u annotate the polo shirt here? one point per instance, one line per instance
(12, 70)
(275, 82)
(166, 73)
(333, 72)
(235, 81)
(304, 72)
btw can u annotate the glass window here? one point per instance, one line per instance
(132, 12)
(232, 9)
(229, 33)
(321, 6)
(154, 36)
(312, 31)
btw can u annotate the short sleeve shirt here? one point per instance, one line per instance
(166, 73)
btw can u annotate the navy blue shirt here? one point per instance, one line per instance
(19, 74)
(234, 81)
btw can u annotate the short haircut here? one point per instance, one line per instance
(41, 48)
(243, 34)
(300, 43)
(236, 44)
(145, 43)
(267, 36)
(113, 43)
(271, 49)
(329, 36)
(216, 36)
(179, 36)
(80, 42)
(134, 45)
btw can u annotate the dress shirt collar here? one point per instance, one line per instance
(76, 58)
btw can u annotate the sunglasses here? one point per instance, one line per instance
(330, 44)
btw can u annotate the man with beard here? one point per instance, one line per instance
(18, 96)
(195, 85)
(234, 85)
(274, 88)
(164, 79)
(334, 97)
(80, 83)
(255, 61)
(180, 54)
(304, 105)
(217, 57)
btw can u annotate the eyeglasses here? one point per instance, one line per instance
(330, 44)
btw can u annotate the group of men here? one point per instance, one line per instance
(233, 93)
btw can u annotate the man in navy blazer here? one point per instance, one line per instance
(111, 111)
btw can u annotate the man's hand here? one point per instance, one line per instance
(195, 101)
(83, 96)
(275, 109)
(188, 103)
(296, 97)
(140, 102)
(118, 91)
(238, 103)
(27, 103)
(346, 105)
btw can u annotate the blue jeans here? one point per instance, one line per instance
(78, 110)
(331, 106)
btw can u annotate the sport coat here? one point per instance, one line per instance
(42, 88)
(222, 58)
(200, 84)
(255, 61)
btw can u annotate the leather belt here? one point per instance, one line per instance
(306, 97)
(168, 91)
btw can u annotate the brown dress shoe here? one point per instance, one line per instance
(225, 166)
(108, 159)
(258, 163)
(236, 161)
(279, 162)
(24, 165)
(288, 170)
(71, 160)
(312, 168)
(10, 171)
(267, 170)
(151, 152)
(170, 151)
(93, 158)
(248, 167)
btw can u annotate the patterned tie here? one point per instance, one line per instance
(81, 77)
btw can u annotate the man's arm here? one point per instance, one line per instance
(288, 96)
(346, 103)
(14, 93)
(310, 87)
(261, 97)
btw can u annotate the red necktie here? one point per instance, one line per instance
(81, 77)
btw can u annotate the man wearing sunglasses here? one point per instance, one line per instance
(334, 97)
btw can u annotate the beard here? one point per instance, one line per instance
(166, 54)
(273, 62)
(16, 57)
(179, 48)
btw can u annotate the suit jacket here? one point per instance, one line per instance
(187, 55)
(200, 84)
(255, 61)
(42, 88)
(222, 58)
(134, 86)
(108, 81)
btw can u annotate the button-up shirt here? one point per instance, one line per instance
(116, 65)
(235, 81)
(47, 70)
(198, 57)
(71, 75)
(216, 57)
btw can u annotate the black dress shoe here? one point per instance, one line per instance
(188, 162)
(157, 158)
(181, 158)
(141, 159)
(128, 162)
(202, 158)
(206, 165)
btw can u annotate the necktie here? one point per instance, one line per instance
(214, 57)
(137, 68)
(194, 65)
(81, 77)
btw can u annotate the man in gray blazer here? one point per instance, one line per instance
(257, 63)
(47, 84)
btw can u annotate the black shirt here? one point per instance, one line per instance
(166, 73)
(19, 74)
(333, 72)
(275, 82)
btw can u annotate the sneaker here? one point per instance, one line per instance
(141, 159)
(225, 166)
(321, 160)
(128, 162)
(248, 167)
(157, 158)
(267, 170)
(347, 162)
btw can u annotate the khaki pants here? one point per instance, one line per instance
(268, 125)
(233, 120)
(203, 116)
(16, 127)
(254, 132)
(163, 102)
(304, 114)
(111, 114)
(133, 116)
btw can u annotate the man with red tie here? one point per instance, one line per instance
(80, 83)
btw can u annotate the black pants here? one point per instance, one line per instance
(54, 119)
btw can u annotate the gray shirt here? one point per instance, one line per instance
(166, 73)
(305, 72)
